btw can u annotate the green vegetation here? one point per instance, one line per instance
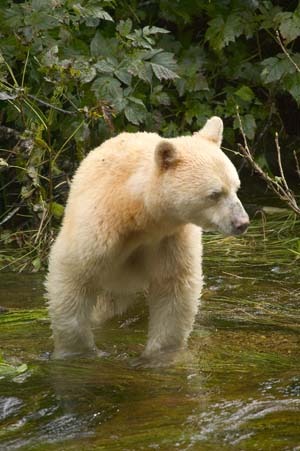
(75, 73)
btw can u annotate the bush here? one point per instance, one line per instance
(73, 73)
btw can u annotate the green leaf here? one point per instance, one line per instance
(289, 25)
(162, 73)
(105, 66)
(165, 59)
(220, 32)
(135, 111)
(140, 40)
(57, 210)
(164, 65)
(275, 68)
(13, 16)
(124, 76)
(158, 97)
(86, 72)
(102, 46)
(124, 27)
(38, 5)
(148, 54)
(41, 20)
(154, 30)
(196, 110)
(245, 93)
(233, 28)
(109, 89)
(223, 30)
(92, 11)
(140, 69)
(292, 84)
(196, 82)
(50, 57)
(136, 100)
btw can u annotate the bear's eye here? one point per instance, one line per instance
(215, 195)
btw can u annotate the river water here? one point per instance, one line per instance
(238, 388)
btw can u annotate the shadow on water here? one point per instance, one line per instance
(238, 389)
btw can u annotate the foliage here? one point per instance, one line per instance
(75, 72)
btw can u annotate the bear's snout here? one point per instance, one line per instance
(240, 225)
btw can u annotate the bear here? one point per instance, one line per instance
(133, 224)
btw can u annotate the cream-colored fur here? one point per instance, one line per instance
(133, 223)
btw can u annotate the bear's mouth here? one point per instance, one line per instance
(227, 231)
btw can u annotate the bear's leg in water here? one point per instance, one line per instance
(70, 310)
(175, 290)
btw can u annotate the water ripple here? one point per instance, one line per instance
(65, 427)
(9, 406)
(227, 419)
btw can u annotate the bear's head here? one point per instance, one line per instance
(197, 183)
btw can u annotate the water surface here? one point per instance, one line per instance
(237, 389)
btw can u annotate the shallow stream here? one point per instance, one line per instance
(237, 389)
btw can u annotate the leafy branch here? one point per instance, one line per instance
(284, 49)
(277, 184)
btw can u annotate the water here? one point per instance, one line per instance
(238, 388)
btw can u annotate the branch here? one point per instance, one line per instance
(49, 105)
(297, 163)
(283, 48)
(280, 188)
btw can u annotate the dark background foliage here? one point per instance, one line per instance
(75, 72)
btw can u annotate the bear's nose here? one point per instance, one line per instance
(241, 226)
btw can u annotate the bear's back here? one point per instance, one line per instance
(117, 158)
(100, 180)
(127, 147)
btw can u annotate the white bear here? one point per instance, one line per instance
(133, 223)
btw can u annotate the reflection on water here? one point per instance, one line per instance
(238, 387)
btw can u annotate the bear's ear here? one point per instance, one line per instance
(165, 155)
(213, 130)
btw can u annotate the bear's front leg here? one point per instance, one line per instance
(174, 291)
(70, 306)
